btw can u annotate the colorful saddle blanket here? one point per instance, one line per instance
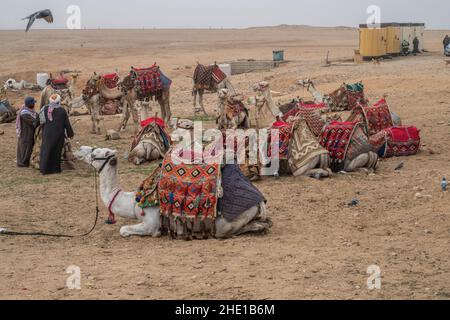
(355, 95)
(111, 80)
(188, 191)
(311, 113)
(208, 77)
(397, 141)
(59, 83)
(149, 82)
(284, 139)
(344, 141)
(110, 107)
(376, 118)
(149, 126)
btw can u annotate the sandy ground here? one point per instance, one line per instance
(317, 249)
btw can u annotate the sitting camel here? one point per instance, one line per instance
(264, 99)
(231, 112)
(124, 204)
(151, 143)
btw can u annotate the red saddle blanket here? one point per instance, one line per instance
(336, 138)
(59, 82)
(397, 141)
(208, 77)
(376, 118)
(284, 138)
(311, 113)
(111, 80)
(148, 81)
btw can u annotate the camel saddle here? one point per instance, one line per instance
(375, 118)
(59, 83)
(208, 77)
(188, 194)
(111, 80)
(344, 141)
(397, 141)
(149, 82)
(153, 129)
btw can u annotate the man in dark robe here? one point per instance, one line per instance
(416, 46)
(55, 125)
(25, 127)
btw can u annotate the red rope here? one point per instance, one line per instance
(111, 217)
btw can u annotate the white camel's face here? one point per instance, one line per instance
(89, 154)
(223, 93)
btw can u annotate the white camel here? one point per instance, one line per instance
(123, 204)
(264, 99)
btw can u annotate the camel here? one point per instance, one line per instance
(134, 101)
(123, 204)
(205, 82)
(66, 91)
(335, 101)
(7, 112)
(150, 144)
(231, 112)
(264, 99)
(93, 94)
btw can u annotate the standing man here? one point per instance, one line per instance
(25, 127)
(55, 125)
(416, 45)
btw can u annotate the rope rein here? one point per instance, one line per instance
(97, 211)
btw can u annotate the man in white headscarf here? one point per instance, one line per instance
(55, 125)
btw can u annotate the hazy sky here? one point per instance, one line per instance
(226, 14)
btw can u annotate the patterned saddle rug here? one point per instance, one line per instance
(111, 80)
(208, 77)
(59, 83)
(375, 118)
(311, 112)
(397, 141)
(188, 194)
(355, 95)
(284, 139)
(149, 82)
(303, 146)
(344, 141)
(151, 129)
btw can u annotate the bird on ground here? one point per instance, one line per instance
(43, 14)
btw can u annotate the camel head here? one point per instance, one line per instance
(305, 83)
(223, 94)
(91, 87)
(97, 157)
(261, 87)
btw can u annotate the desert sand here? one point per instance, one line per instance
(318, 248)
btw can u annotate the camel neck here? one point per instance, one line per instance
(109, 182)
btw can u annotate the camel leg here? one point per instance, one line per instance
(194, 93)
(225, 229)
(125, 116)
(359, 162)
(201, 102)
(148, 227)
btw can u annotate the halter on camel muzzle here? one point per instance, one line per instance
(112, 160)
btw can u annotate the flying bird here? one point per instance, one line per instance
(43, 14)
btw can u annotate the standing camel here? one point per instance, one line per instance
(102, 95)
(209, 78)
(140, 87)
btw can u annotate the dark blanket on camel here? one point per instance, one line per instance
(239, 194)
